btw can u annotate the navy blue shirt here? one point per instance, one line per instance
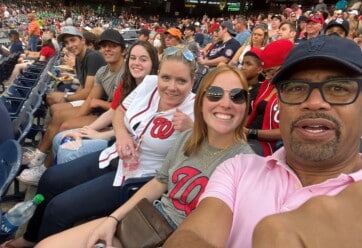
(16, 47)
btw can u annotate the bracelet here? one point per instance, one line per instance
(112, 217)
(253, 134)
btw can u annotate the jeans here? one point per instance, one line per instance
(64, 155)
(33, 43)
(75, 191)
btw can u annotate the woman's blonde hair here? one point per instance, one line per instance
(180, 53)
(199, 131)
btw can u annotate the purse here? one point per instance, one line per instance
(143, 227)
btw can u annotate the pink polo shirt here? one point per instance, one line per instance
(254, 187)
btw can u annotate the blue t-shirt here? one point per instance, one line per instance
(16, 47)
(226, 49)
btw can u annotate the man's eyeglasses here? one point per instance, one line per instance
(340, 91)
(215, 93)
(185, 53)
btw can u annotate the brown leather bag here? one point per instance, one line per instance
(143, 227)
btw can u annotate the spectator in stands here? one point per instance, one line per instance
(199, 36)
(337, 26)
(211, 141)
(34, 32)
(321, 158)
(87, 64)
(169, 107)
(241, 29)
(313, 27)
(301, 27)
(173, 37)
(252, 68)
(143, 34)
(287, 30)
(321, 6)
(263, 122)
(274, 27)
(259, 39)
(221, 53)
(15, 46)
(47, 51)
(7, 131)
(106, 80)
(141, 61)
(189, 40)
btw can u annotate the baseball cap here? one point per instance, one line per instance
(69, 30)
(275, 53)
(190, 27)
(13, 32)
(316, 18)
(339, 22)
(144, 31)
(302, 18)
(197, 24)
(333, 48)
(112, 35)
(229, 26)
(174, 32)
(353, 12)
(277, 16)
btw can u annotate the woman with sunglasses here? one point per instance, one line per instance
(220, 114)
(152, 116)
(258, 39)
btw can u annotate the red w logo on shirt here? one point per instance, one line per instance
(189, 185)
(162, 128)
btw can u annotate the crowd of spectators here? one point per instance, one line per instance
(107, 66)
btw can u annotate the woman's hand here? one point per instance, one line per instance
(125, 146)
(105, 232)
(181, 121)
(89, 133)
(74, 135)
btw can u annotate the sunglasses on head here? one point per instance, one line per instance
(215, 93)
(185, 53)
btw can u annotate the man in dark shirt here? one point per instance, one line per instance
(16, 46)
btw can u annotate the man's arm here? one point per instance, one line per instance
(82, 92)
(213, 62)
(322, 221)
(208, 225)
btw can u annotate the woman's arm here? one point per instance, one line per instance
(124, 142)
(153, 190)
(237, 55)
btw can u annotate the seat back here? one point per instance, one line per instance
(10, 162)
(22, 125)
(131, 185)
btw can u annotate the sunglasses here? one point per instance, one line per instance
(215, 93)
(185, 53)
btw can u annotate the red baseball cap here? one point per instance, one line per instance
(275, 53)
(316, 18)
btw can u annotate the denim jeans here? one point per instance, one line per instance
(64, 155)
(33, 43)
(75, 191)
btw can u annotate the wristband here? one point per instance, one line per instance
(112, 217)
(253, 134)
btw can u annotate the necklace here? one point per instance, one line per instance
(208, 157)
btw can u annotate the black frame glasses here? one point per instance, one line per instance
(216, 93)
(337, 91)
(187, 54)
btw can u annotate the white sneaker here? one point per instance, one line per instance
(31, 176)
(38, 159)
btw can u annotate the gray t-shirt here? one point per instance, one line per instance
(187, 177)
(108, 80)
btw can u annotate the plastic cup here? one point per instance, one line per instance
(130, 165)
